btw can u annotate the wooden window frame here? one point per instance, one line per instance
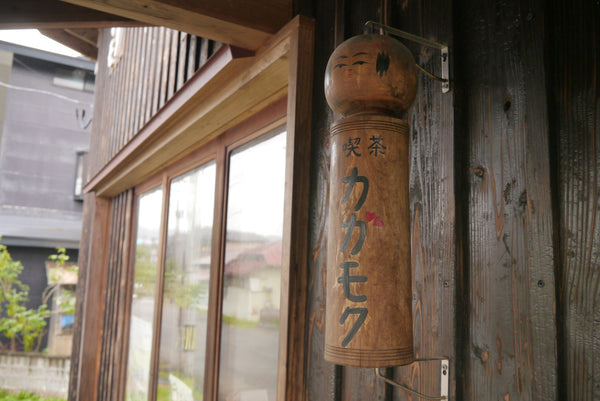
(218, 150)
(231, 88)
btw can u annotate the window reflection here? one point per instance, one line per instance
(252, 272)
(187, 275)
(143, 302)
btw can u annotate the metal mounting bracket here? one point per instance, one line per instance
(444, 377)
(371, 26)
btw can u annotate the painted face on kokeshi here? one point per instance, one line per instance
(370, 74)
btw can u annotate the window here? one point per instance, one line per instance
(80, 173)
(207, 274)
(74, 79)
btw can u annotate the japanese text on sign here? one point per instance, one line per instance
(354, 182)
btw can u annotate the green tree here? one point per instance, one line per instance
(18, 323)
(65, 299)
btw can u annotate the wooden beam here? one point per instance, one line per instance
(49, 14)
(88, 35)
(93, 297)
(244, 23)
(74, 42)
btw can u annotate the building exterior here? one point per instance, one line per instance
(45, 123)
(185, 157)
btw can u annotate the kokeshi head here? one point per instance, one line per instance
(371, 74)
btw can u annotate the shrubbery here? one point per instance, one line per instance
(23, 396)
(21, 326)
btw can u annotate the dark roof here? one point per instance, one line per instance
(40, 231)
(82, 63)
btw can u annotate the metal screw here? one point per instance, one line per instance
(446, 284)
(541, 283)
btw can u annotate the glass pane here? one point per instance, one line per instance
(252, 277)
(143, 303)
(187, 275)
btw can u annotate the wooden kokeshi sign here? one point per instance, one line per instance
(371, 81)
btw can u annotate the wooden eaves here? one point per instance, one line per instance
(247, 24)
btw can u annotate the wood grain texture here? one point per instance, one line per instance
(369, 233)
(248, 24)
(116, 304)
(79, 322)
(292, 347)
(89, 358)
(574, 80)
(511, 352)
(323, 379)
(433, 214)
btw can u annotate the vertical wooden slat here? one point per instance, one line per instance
(324, 380)
(511, 352)
(121, 71)
(139, 81)
(145, 83)
(93, 305)
(191, 57)
(292, 348)
(125, 296)
(111, 340)
(574, 59)
(203, 52)
(79, 322)
(109, 118)
(126, 94)
(106, 343)
(181, 60)
(172, 81)
(432, 203)
(213, 337)
(132, 49)
(160, 41)
(214, 47)
(165, 68)
(151, 78)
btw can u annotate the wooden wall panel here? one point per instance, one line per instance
(574, 58)
(510, 350)
(116, 304)
(432, 204)
(323, 378)
(432, 187)
(83, 260)
(95, 267)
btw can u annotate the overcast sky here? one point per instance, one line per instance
(33, 38)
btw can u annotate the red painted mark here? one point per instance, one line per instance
(377, 222)
(370, 216)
